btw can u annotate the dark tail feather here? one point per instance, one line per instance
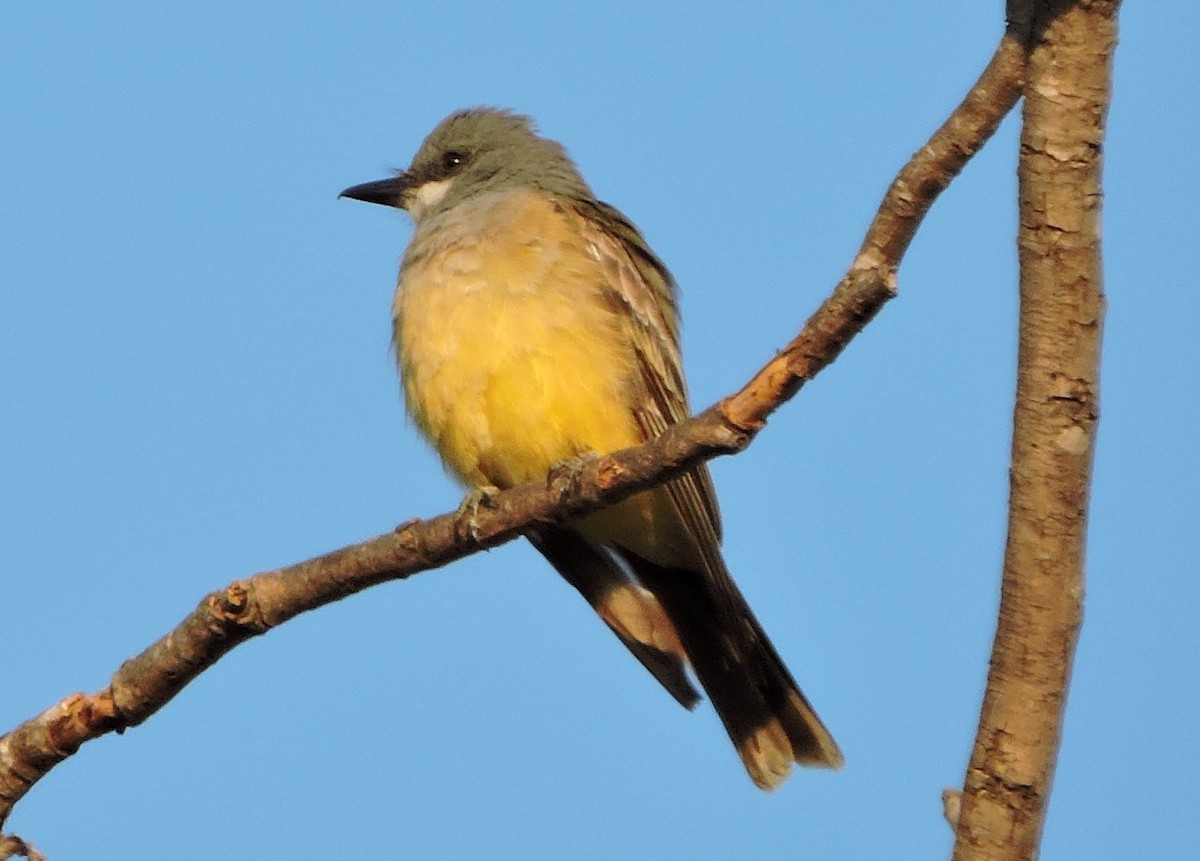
(769, 720)
(633, 613)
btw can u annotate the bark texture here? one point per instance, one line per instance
(1066, 96)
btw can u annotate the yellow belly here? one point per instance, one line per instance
(511, 359)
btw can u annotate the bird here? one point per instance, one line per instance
(534, 326)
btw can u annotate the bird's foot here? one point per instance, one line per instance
(467, 513)
(564, 474)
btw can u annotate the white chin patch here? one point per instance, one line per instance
(428, 196)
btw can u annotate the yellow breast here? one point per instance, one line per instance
(510, 357)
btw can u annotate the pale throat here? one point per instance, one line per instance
(427, 196)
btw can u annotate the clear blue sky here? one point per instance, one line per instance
(196, 386)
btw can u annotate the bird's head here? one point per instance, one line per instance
(472, 152)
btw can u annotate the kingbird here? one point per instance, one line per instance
(532, 325)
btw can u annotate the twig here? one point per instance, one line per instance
(12, 846)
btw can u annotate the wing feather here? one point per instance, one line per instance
(641, 287)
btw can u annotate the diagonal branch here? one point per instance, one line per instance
(1054, 424)
(254, 605)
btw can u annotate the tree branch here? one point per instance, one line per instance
(254, 605)
(1066, 93)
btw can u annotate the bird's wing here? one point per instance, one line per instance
(630, 610)
(768, 718)
(641, 288)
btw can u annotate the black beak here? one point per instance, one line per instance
(389, 192)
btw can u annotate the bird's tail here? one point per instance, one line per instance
(769, 720)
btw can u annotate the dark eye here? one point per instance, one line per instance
(453, 160)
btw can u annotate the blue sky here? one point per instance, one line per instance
(196, 383)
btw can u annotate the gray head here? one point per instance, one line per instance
(471, 152)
